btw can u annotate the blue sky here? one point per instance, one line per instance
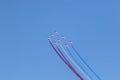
(93, 26)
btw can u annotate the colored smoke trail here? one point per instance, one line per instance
(57, 42)
(71, 59)
(64, 59)
(85, 63)
(79, 64)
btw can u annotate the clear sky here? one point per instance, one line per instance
(93, 26)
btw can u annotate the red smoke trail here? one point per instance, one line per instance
(60, 54)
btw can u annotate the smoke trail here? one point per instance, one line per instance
(79, 64)
(85, 62)
(64, 60)
(82, 71)
(74, 69)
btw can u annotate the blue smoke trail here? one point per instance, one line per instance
(79, 67)
(85, 63)
(79, 64)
